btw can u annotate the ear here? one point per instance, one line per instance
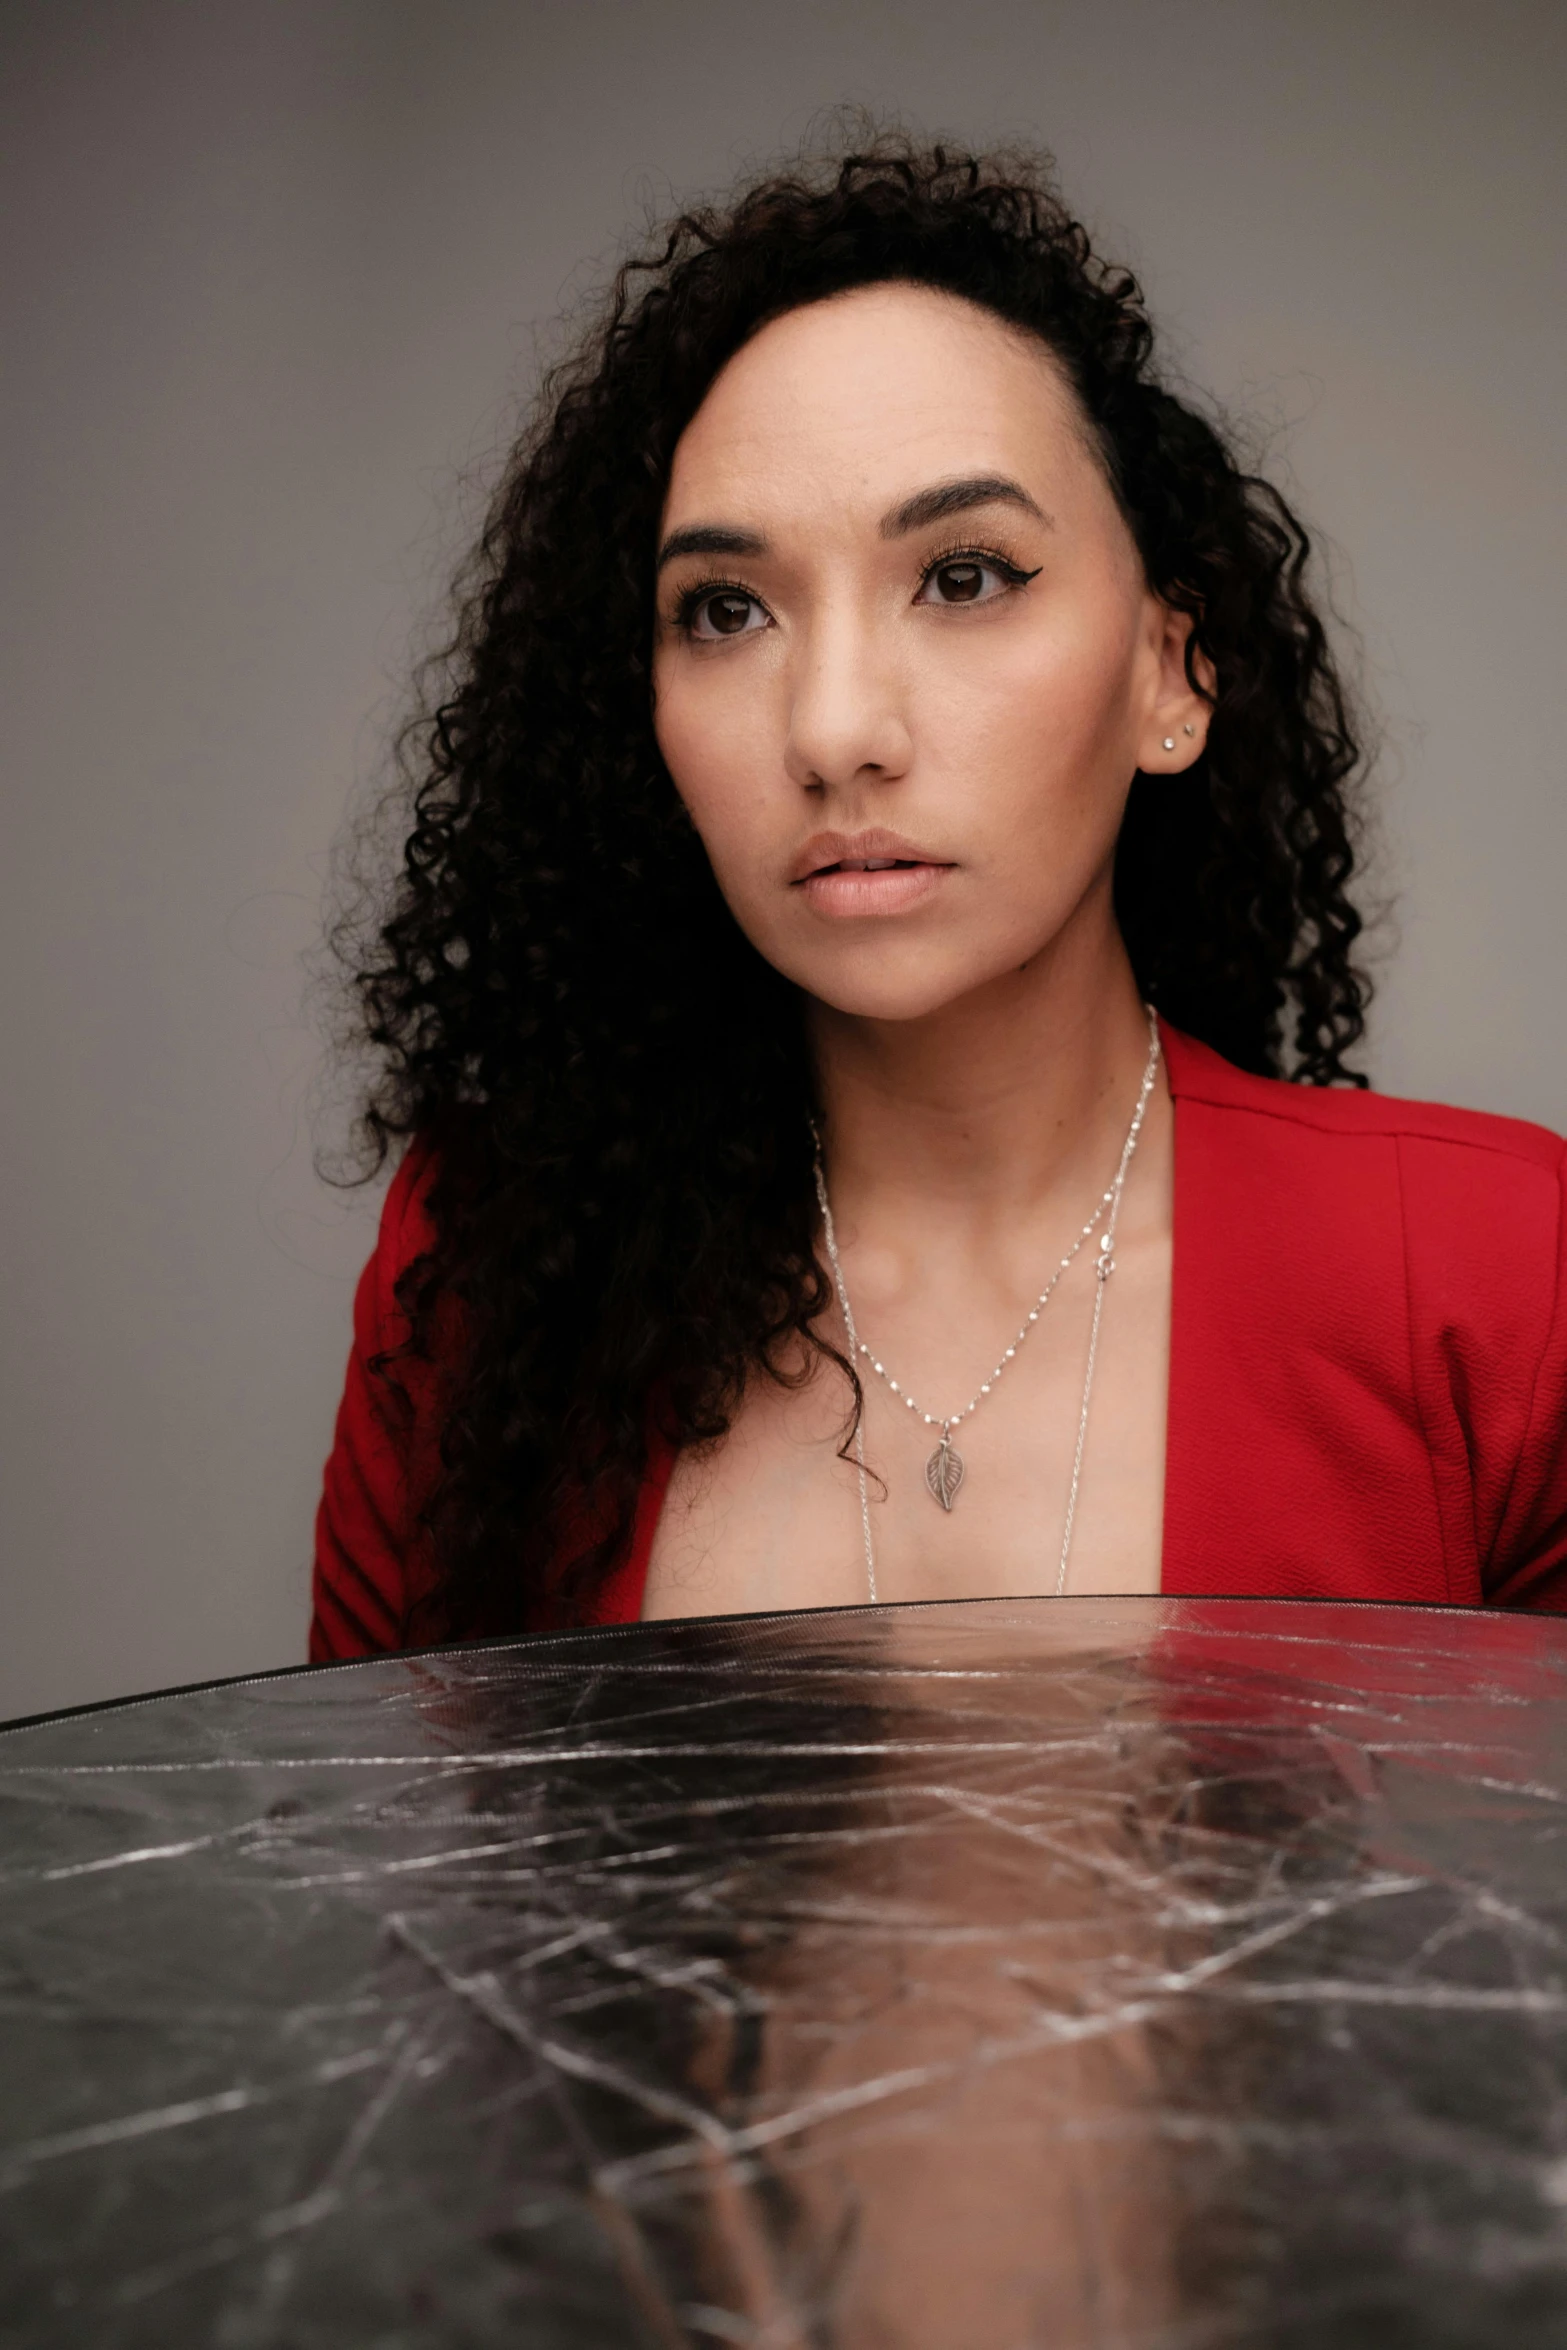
(1175, 730)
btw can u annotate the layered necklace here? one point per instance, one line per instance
(944, 1471)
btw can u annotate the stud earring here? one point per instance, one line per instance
(1188, 730)
(1169, 742)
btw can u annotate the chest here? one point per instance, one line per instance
(772, 1517)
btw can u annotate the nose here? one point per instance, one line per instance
(847, 720)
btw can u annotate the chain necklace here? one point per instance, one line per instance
(944, 1471)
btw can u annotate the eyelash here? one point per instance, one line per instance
(694, 597)
(1012, 573)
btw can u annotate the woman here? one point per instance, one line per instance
(869, 994)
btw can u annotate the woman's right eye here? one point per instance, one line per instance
(711, 613)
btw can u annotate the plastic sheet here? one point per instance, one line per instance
(1086, 1972)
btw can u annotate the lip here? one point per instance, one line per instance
(830, 873)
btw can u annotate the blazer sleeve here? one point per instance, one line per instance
(368, 1541)
(1528, 1565)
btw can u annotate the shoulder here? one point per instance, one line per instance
(1396, 1241)
(1488, 1148)
(372, 1559)
(1374, 1293)
(407, 1224)
(407, 1233)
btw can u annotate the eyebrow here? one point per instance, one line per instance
(709, 538)
(955, 497)
(924, 507)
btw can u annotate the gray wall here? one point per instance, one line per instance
(272, 275)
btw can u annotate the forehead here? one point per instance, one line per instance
(859, 398)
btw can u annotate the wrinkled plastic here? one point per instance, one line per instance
(1086, 1972)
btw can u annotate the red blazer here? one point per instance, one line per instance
(1368, 1366)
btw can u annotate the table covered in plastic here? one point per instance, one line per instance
(967, 1977)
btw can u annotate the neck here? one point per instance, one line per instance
(993, 1105)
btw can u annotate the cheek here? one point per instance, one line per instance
(676, 731)
(714, 741)
(708, 738)
(1037, 725)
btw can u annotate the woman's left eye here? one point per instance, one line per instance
(969, 579)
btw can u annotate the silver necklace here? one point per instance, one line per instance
(944, 1471)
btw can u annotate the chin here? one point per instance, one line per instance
(914, 993)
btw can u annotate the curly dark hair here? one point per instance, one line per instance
(614, 1084)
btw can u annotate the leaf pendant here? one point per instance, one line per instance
(944, 1474)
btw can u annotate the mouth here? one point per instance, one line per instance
(869, 865)
(849, 875)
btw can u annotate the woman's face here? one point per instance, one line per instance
(906, 660)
